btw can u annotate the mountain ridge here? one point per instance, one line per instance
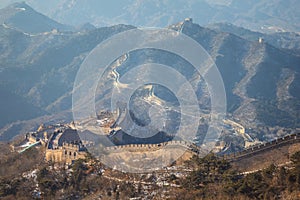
(22, 17)
(263, 16)
(40, 70)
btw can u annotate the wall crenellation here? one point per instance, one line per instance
(289, 139)
(149, 146)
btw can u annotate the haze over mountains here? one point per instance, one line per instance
(39, 62)
(262, 15)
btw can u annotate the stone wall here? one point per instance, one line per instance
(140, 147)
(65, 154)
(276, 152)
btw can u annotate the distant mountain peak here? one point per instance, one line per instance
(22, 17)
(86, 27)
(21, 4)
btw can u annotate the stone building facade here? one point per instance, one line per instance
(67, 153)
(65, 147)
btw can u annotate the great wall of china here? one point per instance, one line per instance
(256, 157)
(250, 151)
(184, 144)
(287, 140)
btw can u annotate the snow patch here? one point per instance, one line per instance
(5, 26)
(22, 9)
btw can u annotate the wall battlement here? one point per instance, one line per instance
(149, 146)
(287, 140)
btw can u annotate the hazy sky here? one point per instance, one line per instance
(4, 3)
